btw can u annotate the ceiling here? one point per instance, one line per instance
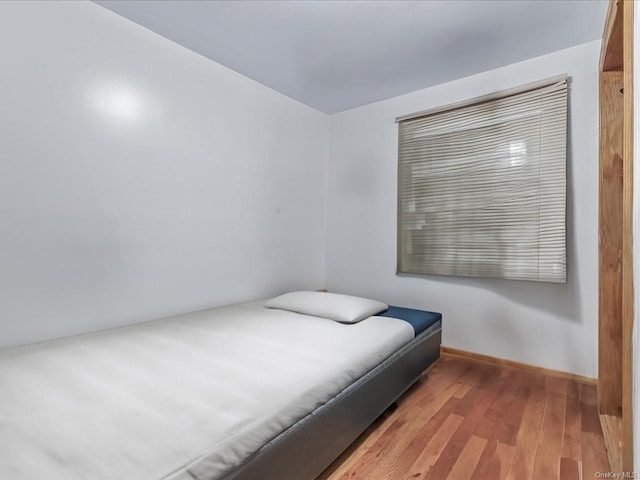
(336, 55)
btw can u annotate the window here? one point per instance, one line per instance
(482, 186)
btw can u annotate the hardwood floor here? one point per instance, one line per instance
(475, 420)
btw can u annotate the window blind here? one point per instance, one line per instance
(482, 188)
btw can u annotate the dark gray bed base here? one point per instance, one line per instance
(304, 450)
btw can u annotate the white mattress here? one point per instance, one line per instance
(192, 395)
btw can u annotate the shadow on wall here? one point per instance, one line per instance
(516, 344)
(560, 300)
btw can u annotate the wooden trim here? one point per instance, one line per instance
(612, 435)
(611, 57)
(627, 243)
(617, 54)
(610, 244)
(522, 366)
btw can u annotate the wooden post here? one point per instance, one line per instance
(610, 243)
(627, 242)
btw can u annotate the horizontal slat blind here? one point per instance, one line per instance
(482, 189)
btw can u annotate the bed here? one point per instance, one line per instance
(235, 393)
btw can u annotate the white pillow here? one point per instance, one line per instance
(335, 306)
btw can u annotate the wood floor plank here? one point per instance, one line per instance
(547, 463)
(495, 461)
(360, 470)
(502, 420)
(434, 447)
(462, 389)
(404, 448)
(588, 394)
(421, 400)
(557, 385)
(532, 380)
(468, 459)
(590, 419)
(500, 426)
(594, 457)
(491, 419)
(490, 377)
(470, 420)
(508, 428)
(527, 440)
(479, 391)
(441, 381)
(477, 373)
(569, 469)
(407, 458)
(571, 448)
(480, 400)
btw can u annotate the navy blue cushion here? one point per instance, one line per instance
(420, 320)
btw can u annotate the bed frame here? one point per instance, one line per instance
(307, 448)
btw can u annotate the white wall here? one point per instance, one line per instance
(139, 179)
(549, 325)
